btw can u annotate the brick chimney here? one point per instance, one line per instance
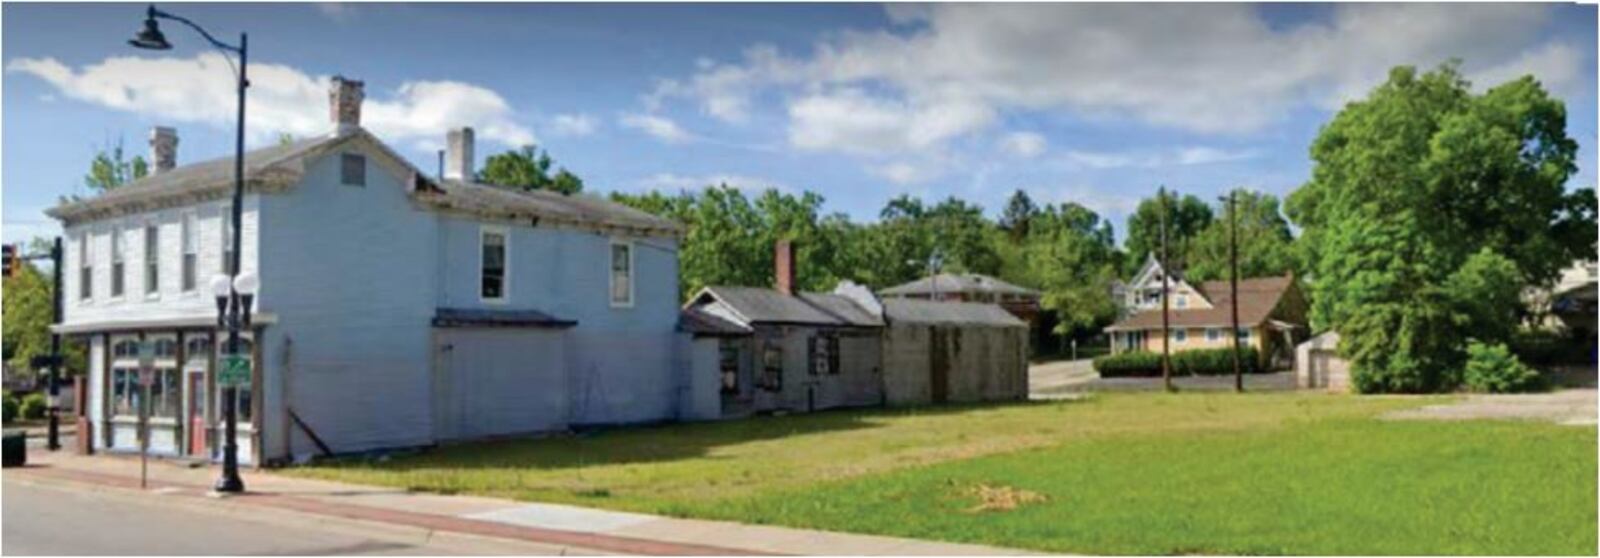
(163, 149)
(458, 156)
(344, 104)
(783, 267)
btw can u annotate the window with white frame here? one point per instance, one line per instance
(1244, 334)
(128, 392)
(227, 240)
(191, 253)
(1183, 301)
(492, 264)
(1180, 335)
(85, 268)
(1213, 334)
(728, 363)
(771, 365)
(621, 274)
(152, 259)
(118, 271)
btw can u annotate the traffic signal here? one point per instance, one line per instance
(11, 263)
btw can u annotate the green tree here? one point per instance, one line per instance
(1415, 191)
(109, 169)
(1266, 247)
(1186, 217)
(528, 168)
(1019, 212)
(27, 314)
(1070, 256)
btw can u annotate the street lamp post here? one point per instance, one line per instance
(233, 313)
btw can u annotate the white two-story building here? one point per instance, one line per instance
(394, 309)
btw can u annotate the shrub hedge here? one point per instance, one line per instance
(1494, 369)
(1193, 362)
(33, 406)
(10, 408)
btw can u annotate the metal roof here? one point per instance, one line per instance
(762, 305)
(914, 311)
(276, 165)
(475, 317)
(959, 283)
(554, 207)
(281, 166)
(700, 322)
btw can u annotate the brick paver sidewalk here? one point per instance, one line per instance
(579, 528)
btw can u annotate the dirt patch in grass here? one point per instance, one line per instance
(993, 498)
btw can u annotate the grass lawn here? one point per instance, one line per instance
(1123, 473)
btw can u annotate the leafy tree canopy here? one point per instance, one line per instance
(27, 313)
(1186, 217)
(1424, 195)
(1266, 247)
(528, 168)
(109, 169)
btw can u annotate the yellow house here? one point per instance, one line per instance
(1271, 319)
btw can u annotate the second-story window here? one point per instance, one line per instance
(621, 274)
(227, 240)
(353, 170)
(85, 268)
(492, 268)
(118, 272)
(152, 259)
(191, 252)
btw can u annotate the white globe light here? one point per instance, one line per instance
(220, 285)
(247, 283)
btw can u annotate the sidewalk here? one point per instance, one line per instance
(581, 529)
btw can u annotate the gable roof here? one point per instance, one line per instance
(279, 167)
(914, 311)
(269, 167)
(756, 305)
(1258, 297)
(958, 283)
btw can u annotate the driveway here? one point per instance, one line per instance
(1575, 407)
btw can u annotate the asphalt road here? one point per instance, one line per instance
(59, 520)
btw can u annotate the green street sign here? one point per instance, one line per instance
(235, 371)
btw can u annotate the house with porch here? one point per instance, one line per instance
(395, 308)
(1272, 316)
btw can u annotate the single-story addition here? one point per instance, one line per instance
(395, 309)
(782, 350)
(1272, 317)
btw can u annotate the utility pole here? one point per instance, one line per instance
(1233, 280)
(1166, 334)
(53, 438)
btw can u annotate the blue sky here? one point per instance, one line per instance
(1098, 103)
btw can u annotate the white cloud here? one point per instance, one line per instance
(660, 127)
(574, 124)
(1187, 156)
(1108, 203)
(903, 173)
(282, 99)
(1556, 65)
(337, 11)
(852, 121)
(674, 182)
(1208, 68)
(1023, 144)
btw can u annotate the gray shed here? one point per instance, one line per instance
(937, 352)
(784, 352)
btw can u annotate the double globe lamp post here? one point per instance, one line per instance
(234, 291)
